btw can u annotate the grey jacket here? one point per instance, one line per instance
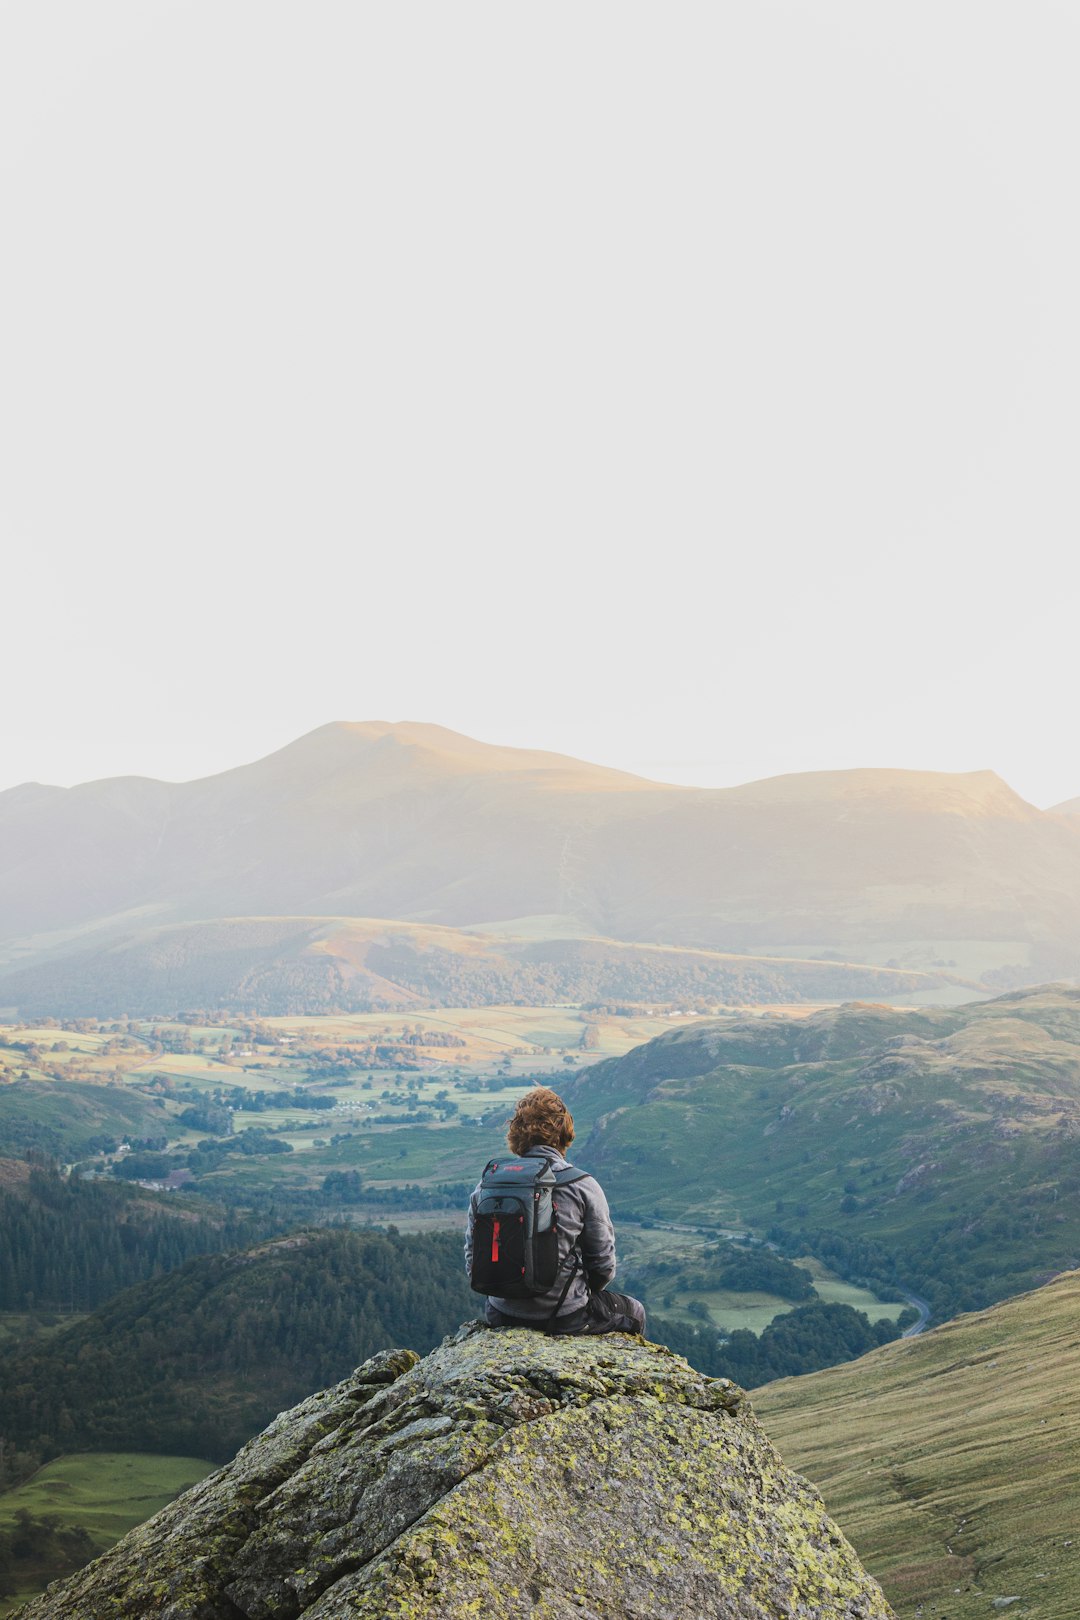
(584, 1215)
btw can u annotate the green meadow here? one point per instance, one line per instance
(106, 1494)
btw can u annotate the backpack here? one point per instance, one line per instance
(515, 1252)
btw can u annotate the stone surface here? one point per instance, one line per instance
(507, 1474)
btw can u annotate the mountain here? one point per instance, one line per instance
(950, 1458)
(405, 821)
(413, 823)
(936, 1149)
(506, 1474)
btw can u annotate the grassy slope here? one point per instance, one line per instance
(951, 1459)
(106, 1491)
(32, 1115)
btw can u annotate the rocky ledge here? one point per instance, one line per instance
(507, 1474)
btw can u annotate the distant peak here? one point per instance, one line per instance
(971, 793)
(456, 753)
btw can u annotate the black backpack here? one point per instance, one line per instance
(515, 1252)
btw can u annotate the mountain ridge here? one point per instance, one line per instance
(982, 790)
(414, 823)
(292, 965)
(337, 741)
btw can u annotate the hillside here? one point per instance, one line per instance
(412, 823)
(85, 1119)
(193, 1362)
(287, 965)
(506, 1474)
(938, 1149)
(950, 1459)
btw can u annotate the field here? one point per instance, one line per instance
(21, 1327)
(481, 1039)
(729, 1310)
(105, 1494)
(835, 1291)
(439, 1072)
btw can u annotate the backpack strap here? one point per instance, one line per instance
(576, 1265)
(563, 1178)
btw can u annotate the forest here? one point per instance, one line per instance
(70, 1245)
(195, 1362)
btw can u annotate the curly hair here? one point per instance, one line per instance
(541, 1119)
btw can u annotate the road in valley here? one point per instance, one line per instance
(923, 1309)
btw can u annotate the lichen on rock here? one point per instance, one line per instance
(507, 1474)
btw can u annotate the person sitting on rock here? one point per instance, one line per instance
(542, 1126)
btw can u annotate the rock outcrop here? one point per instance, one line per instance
(505, 1475)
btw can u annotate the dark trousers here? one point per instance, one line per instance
(606, 1312)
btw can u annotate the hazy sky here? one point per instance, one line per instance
(689, 387)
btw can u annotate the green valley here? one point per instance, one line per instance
(782, 1184)
(937, 1150)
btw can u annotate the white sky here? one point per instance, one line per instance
(693, 388)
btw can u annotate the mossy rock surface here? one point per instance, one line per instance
(505, 1475)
